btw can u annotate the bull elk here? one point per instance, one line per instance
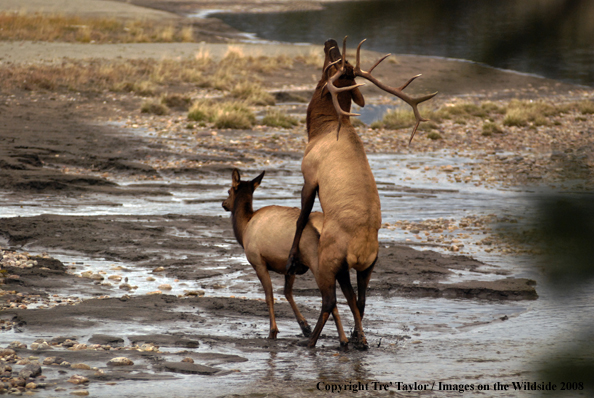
(266, 236)
(336, 168)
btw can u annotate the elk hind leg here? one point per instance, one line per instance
(358, 337)
(264, 278)
(305, 328)
(363, 278)
(328, 289)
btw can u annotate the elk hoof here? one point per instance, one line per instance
(303, 343)
(361, 345)
(272, 335)
(306, 329)
(359, 341)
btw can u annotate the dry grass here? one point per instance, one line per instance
(154, 107)
(518, 113)
(142, 76)
(223, 115)
(253, 93)
(522, 113)
(42, 27)
(404, 118)
(277, 118)
(235, 72)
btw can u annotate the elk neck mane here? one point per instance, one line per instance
(241, 215)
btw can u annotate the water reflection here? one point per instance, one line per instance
(553, 38)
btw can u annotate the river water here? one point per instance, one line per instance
(551, 38)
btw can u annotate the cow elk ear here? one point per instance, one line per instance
(235, 178)
(256, 181)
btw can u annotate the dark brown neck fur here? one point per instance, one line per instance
(321, 112)
(242, 213)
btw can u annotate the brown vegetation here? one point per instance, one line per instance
(42, 27)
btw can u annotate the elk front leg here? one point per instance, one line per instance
(289, 280)
(308, 197)
(264, 277)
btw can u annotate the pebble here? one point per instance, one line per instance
(165, 286)
(194, 292)
(78, 379)
(40, 346)
(82, 366)
(120, 361)
(80, 393)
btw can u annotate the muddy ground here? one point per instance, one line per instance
(39, 139)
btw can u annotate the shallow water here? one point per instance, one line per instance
(413, 339)
(551, 38)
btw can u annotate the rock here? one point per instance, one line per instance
(165, 286)
(120, 361)
(188, 359)
(49, 360)
(40, 346)
(105, 339)
(6, 352)
(80, 393)
(30, 370)
(78, 347)
(17, 344)
(69, 343)
(82, 366)
(31, 386)
(190, 368)
(17, 382)
(194, 293)
(78, 379)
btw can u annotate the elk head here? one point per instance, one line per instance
(340, 67)
(241, 190)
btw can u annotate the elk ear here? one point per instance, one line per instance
(358, 97)
(235, 178)
(256, 181)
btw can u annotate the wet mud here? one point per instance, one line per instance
(110, 319)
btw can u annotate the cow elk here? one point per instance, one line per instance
(336, 168)
(266, 236)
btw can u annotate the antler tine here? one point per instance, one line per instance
(405, 85)
(343, 52)
(412, 101)
(334, 91)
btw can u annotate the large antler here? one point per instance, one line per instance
(334, 91)
(413, 102)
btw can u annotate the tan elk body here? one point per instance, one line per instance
(335, 167)
(266, 236)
